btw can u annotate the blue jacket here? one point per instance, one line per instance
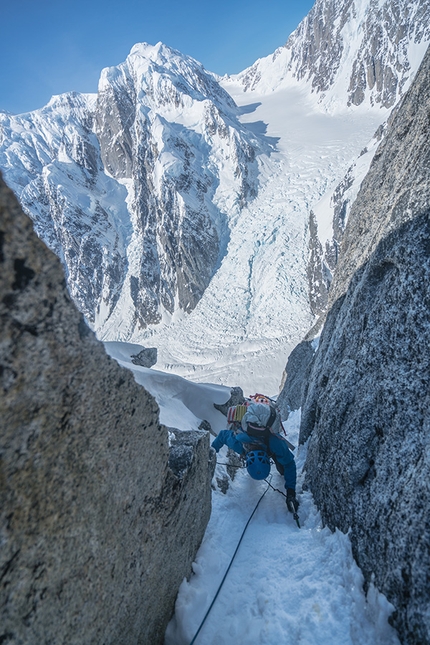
(278, 448)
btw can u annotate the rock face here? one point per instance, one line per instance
(318, 270)
(399, 173)
(296, 377)
(384, 31)
(97, 531)
(334, 208)
(147, 357)
(367, 405)
(236, 398)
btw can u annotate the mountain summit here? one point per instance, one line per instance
(132, 187)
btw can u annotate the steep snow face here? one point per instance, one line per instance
(134, 187)
(349, 53)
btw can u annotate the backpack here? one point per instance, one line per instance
(236, 413)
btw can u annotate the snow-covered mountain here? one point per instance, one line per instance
(345, 54)
(355, 52)
(133, 187)
(180, 202)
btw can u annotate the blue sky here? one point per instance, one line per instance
(53, 46)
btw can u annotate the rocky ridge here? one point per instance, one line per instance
(99, 519)
(327, 222)
(346, 54)
(361, 50)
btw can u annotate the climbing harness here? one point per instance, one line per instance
(229, 566)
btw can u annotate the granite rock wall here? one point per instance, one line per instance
(96, 530)
(367, 413)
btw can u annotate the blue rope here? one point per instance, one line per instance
(229, 567)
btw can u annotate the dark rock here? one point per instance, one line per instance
(297, 372)
(318, 275)
(318, 45)
(97, 531)
(234, 463)
(145, 358)
(367, 412)
(186, 449)
(236, 398)
(206, 426)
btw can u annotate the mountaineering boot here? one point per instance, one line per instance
(292, 503)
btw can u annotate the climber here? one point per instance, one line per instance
(257, 441)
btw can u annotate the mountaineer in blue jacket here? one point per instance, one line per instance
(258, 441)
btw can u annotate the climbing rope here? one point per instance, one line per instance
(277, 489)
(229, 465)
(295, 514)
(229, 566)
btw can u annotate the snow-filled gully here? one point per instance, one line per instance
(286, 586)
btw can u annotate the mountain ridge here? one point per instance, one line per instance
(361, 50)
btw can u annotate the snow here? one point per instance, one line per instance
(286, 585)
(255, 310)
(324, 208)
(183, 404)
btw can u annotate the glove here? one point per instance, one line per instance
(292, 503)
(217, 444)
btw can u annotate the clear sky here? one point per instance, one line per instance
(53, 46)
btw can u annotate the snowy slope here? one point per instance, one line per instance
(183, 404)
(286, 585)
